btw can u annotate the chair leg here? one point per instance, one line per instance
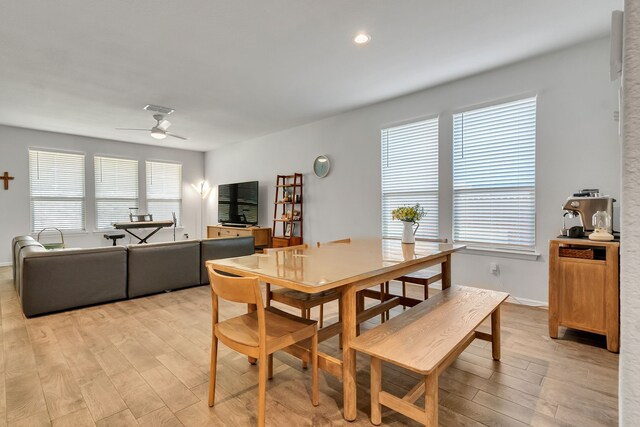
(314, 370)
(387, 292)
(426, 291)
(321, 320)
(268, 295)
(359, 309)
(340, 320)
(304, 313)
(270, 366)
(404, 293)
(262, 390)
(212, 370)
(383, 297)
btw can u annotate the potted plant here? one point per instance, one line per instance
(409, 215)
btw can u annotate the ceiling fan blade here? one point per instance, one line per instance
(146, 130)
(164, 124)
(176, 136)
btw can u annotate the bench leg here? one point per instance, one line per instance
(495, 334)
(376, 388)
(431, 399)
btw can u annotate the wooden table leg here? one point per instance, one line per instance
(495, 334)
(446, 273)
(431, 399)
(348, 304)
(376, 388)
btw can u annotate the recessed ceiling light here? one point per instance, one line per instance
(362, 38)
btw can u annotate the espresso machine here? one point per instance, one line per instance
(584, 204)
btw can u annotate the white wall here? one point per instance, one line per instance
(14, 203)
(577, 147)
(630, 248)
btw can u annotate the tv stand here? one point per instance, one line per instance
(261, 235)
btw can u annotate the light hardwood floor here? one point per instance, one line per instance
(145, 362)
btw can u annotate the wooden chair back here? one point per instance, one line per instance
(268, 251)
(235, 289)
(347, 240)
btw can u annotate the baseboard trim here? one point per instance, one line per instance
(5, 264)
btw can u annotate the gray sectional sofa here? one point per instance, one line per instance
(49, 281)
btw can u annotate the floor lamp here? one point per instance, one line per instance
(203, 189)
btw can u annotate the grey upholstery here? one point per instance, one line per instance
(57, 280)
(157, 267)
(223, 248)
(18, 248)
(14, 242)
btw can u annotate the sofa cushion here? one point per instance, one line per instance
(157, 267)
(223, 248)
(58, 280)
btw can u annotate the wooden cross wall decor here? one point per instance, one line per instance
(6, 179)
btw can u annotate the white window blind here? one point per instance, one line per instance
(116, 190)
(494, 176)
(164, 190)
(57, 190)
(410, 175)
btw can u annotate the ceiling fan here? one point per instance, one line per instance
(159, 131)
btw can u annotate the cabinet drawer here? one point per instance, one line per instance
(233, 232)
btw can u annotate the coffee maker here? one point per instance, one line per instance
(584, 204)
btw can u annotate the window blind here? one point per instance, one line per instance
(494, 176)
(410, 175)
(164, 190)
(116, 183)
(56, 182)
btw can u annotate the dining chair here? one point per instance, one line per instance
(422, 277)
(257, 334)
(300, 300)
(384, 289)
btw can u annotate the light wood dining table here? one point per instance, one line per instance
(347, 268)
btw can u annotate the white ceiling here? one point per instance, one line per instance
(237, 69)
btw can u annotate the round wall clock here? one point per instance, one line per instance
(321, 166)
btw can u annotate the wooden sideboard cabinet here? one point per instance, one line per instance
(261, 235)
(584, 288)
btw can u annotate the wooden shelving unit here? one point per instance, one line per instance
(287, 211)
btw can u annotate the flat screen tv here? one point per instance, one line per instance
(238, 203)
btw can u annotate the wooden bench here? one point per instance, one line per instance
(426, 339)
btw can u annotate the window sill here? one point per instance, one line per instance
(503, 253)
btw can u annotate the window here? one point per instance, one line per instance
(164, 190)
(410, 175)
(57, 190)
(494, 176)
(116, 190)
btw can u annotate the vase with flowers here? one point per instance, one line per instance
(410, 216)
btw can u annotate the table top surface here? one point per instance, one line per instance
(142, 224)
(333, 265)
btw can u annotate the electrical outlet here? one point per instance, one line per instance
(494, 268)
(186, 235)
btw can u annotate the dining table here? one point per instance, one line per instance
(347, 268)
